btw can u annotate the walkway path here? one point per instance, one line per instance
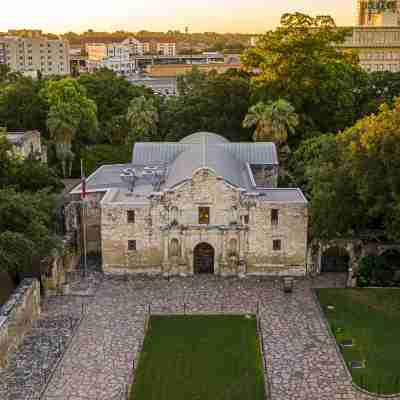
(302, 360)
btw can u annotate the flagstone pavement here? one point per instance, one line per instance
(302, 359)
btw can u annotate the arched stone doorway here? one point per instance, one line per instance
(392, 259)
(335, 259)
(203, 259)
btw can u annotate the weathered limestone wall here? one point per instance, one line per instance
(17, 315)
(204, 190)
(93, 221)
(116, 232)
(291, 230)
(167, 231)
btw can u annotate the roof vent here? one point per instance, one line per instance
(130, 176)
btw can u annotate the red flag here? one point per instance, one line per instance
(83, 184)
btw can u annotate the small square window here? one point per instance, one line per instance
(131, 216)
(132, 245)
(277, 245)
(246, 219)
(274, 217)
(204, 215)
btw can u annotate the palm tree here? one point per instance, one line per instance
(142, 117)
(62, 128)
(273, 121)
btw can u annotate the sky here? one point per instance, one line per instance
(248, 16)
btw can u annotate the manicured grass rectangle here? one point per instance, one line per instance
(371, 317)
(200, 358)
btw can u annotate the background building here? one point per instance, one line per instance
(378, 12)
(377, 47)
(30, 55)
(28, 144)
(2, 53)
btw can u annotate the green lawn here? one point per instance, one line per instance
(371, 317)
(200, 358)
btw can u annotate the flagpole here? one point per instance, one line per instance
(83, 197)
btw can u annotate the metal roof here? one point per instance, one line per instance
(165, 153)
(157, 153)
(253, 153)
(221, 162)
(204, 138)
(287, 195)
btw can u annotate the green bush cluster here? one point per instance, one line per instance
(378, 271)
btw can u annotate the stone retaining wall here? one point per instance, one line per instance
(17, 315)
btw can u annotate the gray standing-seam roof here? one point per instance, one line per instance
(287, 195)
(204, 138)
(203, 149)
(223, 163)
(165, 153)
(157, 153)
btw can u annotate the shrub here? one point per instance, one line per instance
(376, 271)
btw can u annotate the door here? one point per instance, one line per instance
(203, 259)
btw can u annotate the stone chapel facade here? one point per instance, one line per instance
(203, 205)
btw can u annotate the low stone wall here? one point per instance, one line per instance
(17, 315)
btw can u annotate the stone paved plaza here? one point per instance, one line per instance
(302, 361)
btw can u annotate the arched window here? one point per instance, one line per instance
(174, 248)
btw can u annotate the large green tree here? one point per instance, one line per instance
(143, 118)
(112, 95)
(300, 62)
(72, 117)
(25, 230)
(21, 107)
(208, 102)
(355, 180)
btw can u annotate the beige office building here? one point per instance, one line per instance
(30, 55)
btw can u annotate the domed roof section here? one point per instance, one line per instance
(204, 138)
(222, 162)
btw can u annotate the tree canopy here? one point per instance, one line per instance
(300, 62)
(72, 115)
(208, 102)
(355, 179)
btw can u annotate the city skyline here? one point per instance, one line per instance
(236, 16)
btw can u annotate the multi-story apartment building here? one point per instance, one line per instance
(377, 47)
(376, 38)
(2, 53)
(132, 46)
(122, 57)
(378, 12)
(32, 55)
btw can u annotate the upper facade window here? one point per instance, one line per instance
(274, 217)
(204, 215)
(131, 216)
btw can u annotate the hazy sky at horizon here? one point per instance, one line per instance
(207, 15)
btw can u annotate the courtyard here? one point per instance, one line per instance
(102, 326)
